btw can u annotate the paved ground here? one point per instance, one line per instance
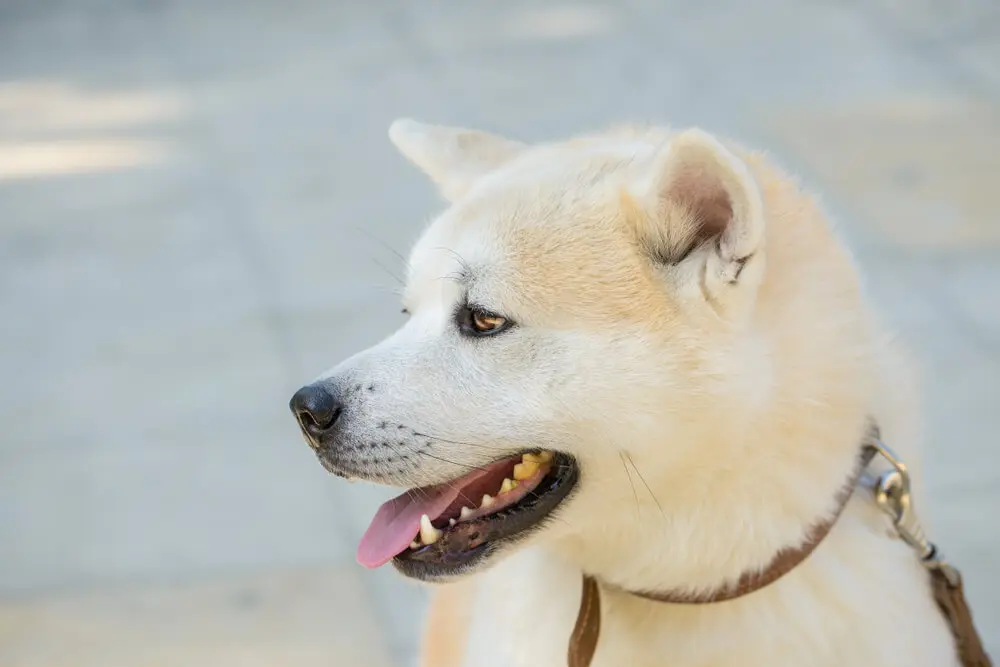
(197, 205)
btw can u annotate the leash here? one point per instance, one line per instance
(891, 492)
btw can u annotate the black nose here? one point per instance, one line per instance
(316, 409)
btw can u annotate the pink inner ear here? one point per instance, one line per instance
(706, 199)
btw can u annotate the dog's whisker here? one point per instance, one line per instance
(388, 271)
(453, 277)
(383, 243)
(454, 463)
(417, 491)
(635, 494)
(400, 453)
(644, 483)
(395, 290)
(458, 442)
(472, 503)
(458, 258)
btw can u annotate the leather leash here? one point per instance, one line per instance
(891, 493)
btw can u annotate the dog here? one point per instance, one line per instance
(643, 356)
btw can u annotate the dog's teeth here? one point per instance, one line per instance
(414, 544)
(541, 457)
(451, 522)
(525, 470)
(465, 513)
(507, 485)
(487, 500)
(428, 533)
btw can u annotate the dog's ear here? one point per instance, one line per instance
(455, 158)
(702, 214)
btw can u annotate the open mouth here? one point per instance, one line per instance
(437, 530)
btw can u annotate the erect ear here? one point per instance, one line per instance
(703, 204)
(455, 158)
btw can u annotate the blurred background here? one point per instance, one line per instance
(200, 211)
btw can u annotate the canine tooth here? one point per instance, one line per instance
(465, 513)
(507, 485)
(487, 500)
(428, 533)
(525, 470)
(414, 544)
(451, 522)
(541, 457)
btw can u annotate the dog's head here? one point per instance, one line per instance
(583, 321)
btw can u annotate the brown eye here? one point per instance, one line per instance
(477, 322)
(487, 322)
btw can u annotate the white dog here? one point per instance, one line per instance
(642, 356)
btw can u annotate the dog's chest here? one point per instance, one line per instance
(523, 613)
(525, 608)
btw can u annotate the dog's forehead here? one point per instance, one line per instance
(550, 233)
(493, 226)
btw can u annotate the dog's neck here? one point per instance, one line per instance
(786, 559)
(700, 535)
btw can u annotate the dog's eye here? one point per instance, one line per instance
(478, 322)
(486, 322)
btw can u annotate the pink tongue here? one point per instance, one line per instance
(397, 522)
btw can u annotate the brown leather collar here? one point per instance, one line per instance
(583, 641)
(784, 561)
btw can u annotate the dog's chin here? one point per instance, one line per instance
(468, 564)
(469, 523)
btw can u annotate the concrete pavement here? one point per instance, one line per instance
(199, 211)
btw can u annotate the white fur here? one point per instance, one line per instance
(714, 403)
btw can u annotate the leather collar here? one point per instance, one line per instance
(583, 641)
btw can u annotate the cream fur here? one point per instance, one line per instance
(715, 401)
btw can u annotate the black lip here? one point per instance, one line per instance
(466, 544)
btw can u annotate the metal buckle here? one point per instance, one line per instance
(892, 495)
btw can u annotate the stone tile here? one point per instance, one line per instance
(919, 171)
(979, 54)
(168, 309)
(935, 19)
(319, 617)
(87, 513)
